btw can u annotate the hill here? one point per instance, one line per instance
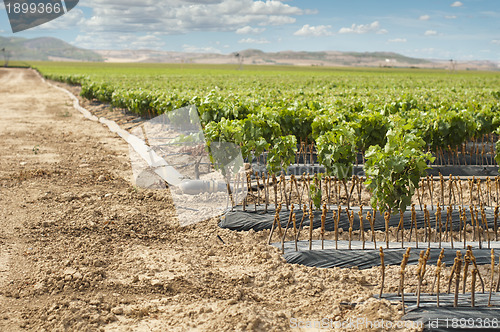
(294, 58)
(45, 49)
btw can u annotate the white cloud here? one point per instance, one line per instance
(496, 41)
(70, 20)
(254, 41)
(315, 31)
(111, 18)
(397, 40)
(424, 18)
(430, 33)
(176, 16)
(248, 30)
(195, 49)
(450, 17)
(364, 28)
(457, 4)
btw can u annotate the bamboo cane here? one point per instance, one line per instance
(498, 280)
(492, 280)
(441, 182)
(323, 217)
(427, 220)
(485, 223)
(382, 265)
(438, 277)
(495, 226)
(294, 220)
(450, 218)
(473, 259)
(438, 225)
(471, 186)
(337, 221)
(370, 220)
(419, 273)
(451, 192)
(311, 226)
(472, 221)
(387, 216)
(304, 211)
(290, 217)
(418, 196)
(457, 278)
(430, 190)
(478, 224)
(479, 192)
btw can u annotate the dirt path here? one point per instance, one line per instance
(82, 249)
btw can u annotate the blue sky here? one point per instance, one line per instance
(439, 29)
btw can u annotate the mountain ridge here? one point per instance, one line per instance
(44, 49)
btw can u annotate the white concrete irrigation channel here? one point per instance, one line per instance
(158, 164)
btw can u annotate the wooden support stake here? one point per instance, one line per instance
(467, 260)
(361, 227)
(406, 256)
(453, 271)
(401, 225)
(382, 265)
(473, 289)
(273, 227)
(350, 216)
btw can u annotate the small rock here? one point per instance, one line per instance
(117, 311)
(156, 283)
(23, 163)
(83, 165)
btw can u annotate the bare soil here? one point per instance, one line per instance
(82, 249)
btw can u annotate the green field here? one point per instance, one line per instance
(304, 102)
(391, 116)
